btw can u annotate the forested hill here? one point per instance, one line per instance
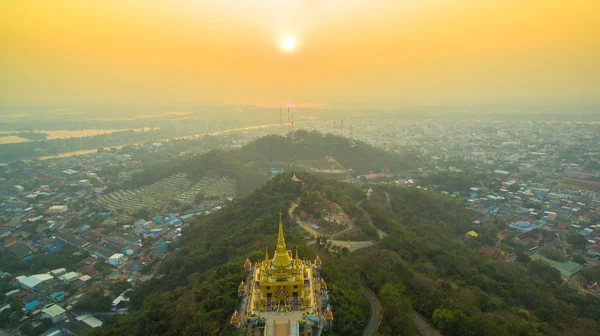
(424, 263)
(275, 151)
(351, 154)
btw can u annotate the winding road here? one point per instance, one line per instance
(377, 316)
(423, 325)
(376, 312)
(376, 307)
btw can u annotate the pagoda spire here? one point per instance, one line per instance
(281, 258)
(266, 254)
(280, 238)
(297, 262)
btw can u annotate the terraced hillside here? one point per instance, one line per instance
(156, 195)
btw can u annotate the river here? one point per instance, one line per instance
(90, 151)
(62, 134)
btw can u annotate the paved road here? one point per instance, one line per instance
(422, 324)
(377, 315)
(352, 245)
(376, 312)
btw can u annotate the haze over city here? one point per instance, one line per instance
(300, 167)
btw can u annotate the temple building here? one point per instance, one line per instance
(284, 290)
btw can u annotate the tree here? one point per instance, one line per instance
(544, 271)
(514, 187)
(93, 303)
(592, 273)
(451, 321)
(578, 241)
(579, 259)
(555, 254)
(397, 310)
(522, 257)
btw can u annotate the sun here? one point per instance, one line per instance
(288, 44)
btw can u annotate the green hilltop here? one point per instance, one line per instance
(307, 149)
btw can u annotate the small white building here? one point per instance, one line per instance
(58, 208)
(116, 259)
(85, 278)
(89, 320)
(54, 313)
(58, 271)
(69, 277)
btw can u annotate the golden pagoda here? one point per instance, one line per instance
(328, 315)
(236, 319)
(318, 262)
(248, 265)
(242, 289)
(282, 283)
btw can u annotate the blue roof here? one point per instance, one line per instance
(522, 226)
(57, 295)
(31, 304)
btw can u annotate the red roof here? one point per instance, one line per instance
(489, 251)
(20, 294)
(92, 260)
(580, 181)
(371, 176)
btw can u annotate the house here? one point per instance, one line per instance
(88, 270)
(19, 250)
(54, 313)
(133, 249)
(69, 277)
(522, 226)
(369, 177)
(85, 278)
(31, 305)
(57, 272)
(530, 239)
(89, 320)
(58, 209)
(491, 252)
(594, 249)
(304, 215)
(116, 259)
(52, 332)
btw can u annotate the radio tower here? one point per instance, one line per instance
(292, 123)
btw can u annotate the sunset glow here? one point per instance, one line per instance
(288, 44)
(353, 52)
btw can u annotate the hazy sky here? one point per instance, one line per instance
(349, 52)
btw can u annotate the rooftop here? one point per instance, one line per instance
(567, 268)
(53, 310)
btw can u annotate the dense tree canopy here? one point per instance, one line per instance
(423, 263)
